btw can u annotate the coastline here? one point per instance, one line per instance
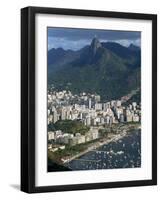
(99, 144)
(64, 166)
(124, 130)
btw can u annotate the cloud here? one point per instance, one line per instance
(57, 42)
(126, 43)
(70, 38)
(76, 34)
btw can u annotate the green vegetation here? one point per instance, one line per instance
(69, 126)
(104, 132)
(69, 151)
(53, 166)
(135, 98)
(105, 72)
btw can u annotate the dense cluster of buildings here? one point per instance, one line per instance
(71, 139)
(87, 108)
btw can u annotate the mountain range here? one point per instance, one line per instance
(105, 68)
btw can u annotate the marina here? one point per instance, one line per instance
(123, 152)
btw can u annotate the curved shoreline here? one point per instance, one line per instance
(99, 144)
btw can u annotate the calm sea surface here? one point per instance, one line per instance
(123, 153)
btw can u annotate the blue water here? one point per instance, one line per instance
(123, 153)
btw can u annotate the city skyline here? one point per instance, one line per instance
(98, 122)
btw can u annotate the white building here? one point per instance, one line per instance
(51, 135)
(95, 134)
(136, 118)
(134, 104)
(81, 139)
(113, 103)
(102, 121)
(88, 121)
(89, 103)
(129, 116)
(55, 116)
(94, 122)
(97, 98)
(118, 103)
(98, 106)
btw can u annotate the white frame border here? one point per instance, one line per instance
(42, 178)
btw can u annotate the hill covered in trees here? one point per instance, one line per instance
(108, 69)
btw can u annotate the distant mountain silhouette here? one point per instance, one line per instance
(107, 68)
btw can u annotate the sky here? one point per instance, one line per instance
(75, 39)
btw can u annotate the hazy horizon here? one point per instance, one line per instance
(75, 38)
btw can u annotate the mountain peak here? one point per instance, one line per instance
(95, 44)
(133, 47)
